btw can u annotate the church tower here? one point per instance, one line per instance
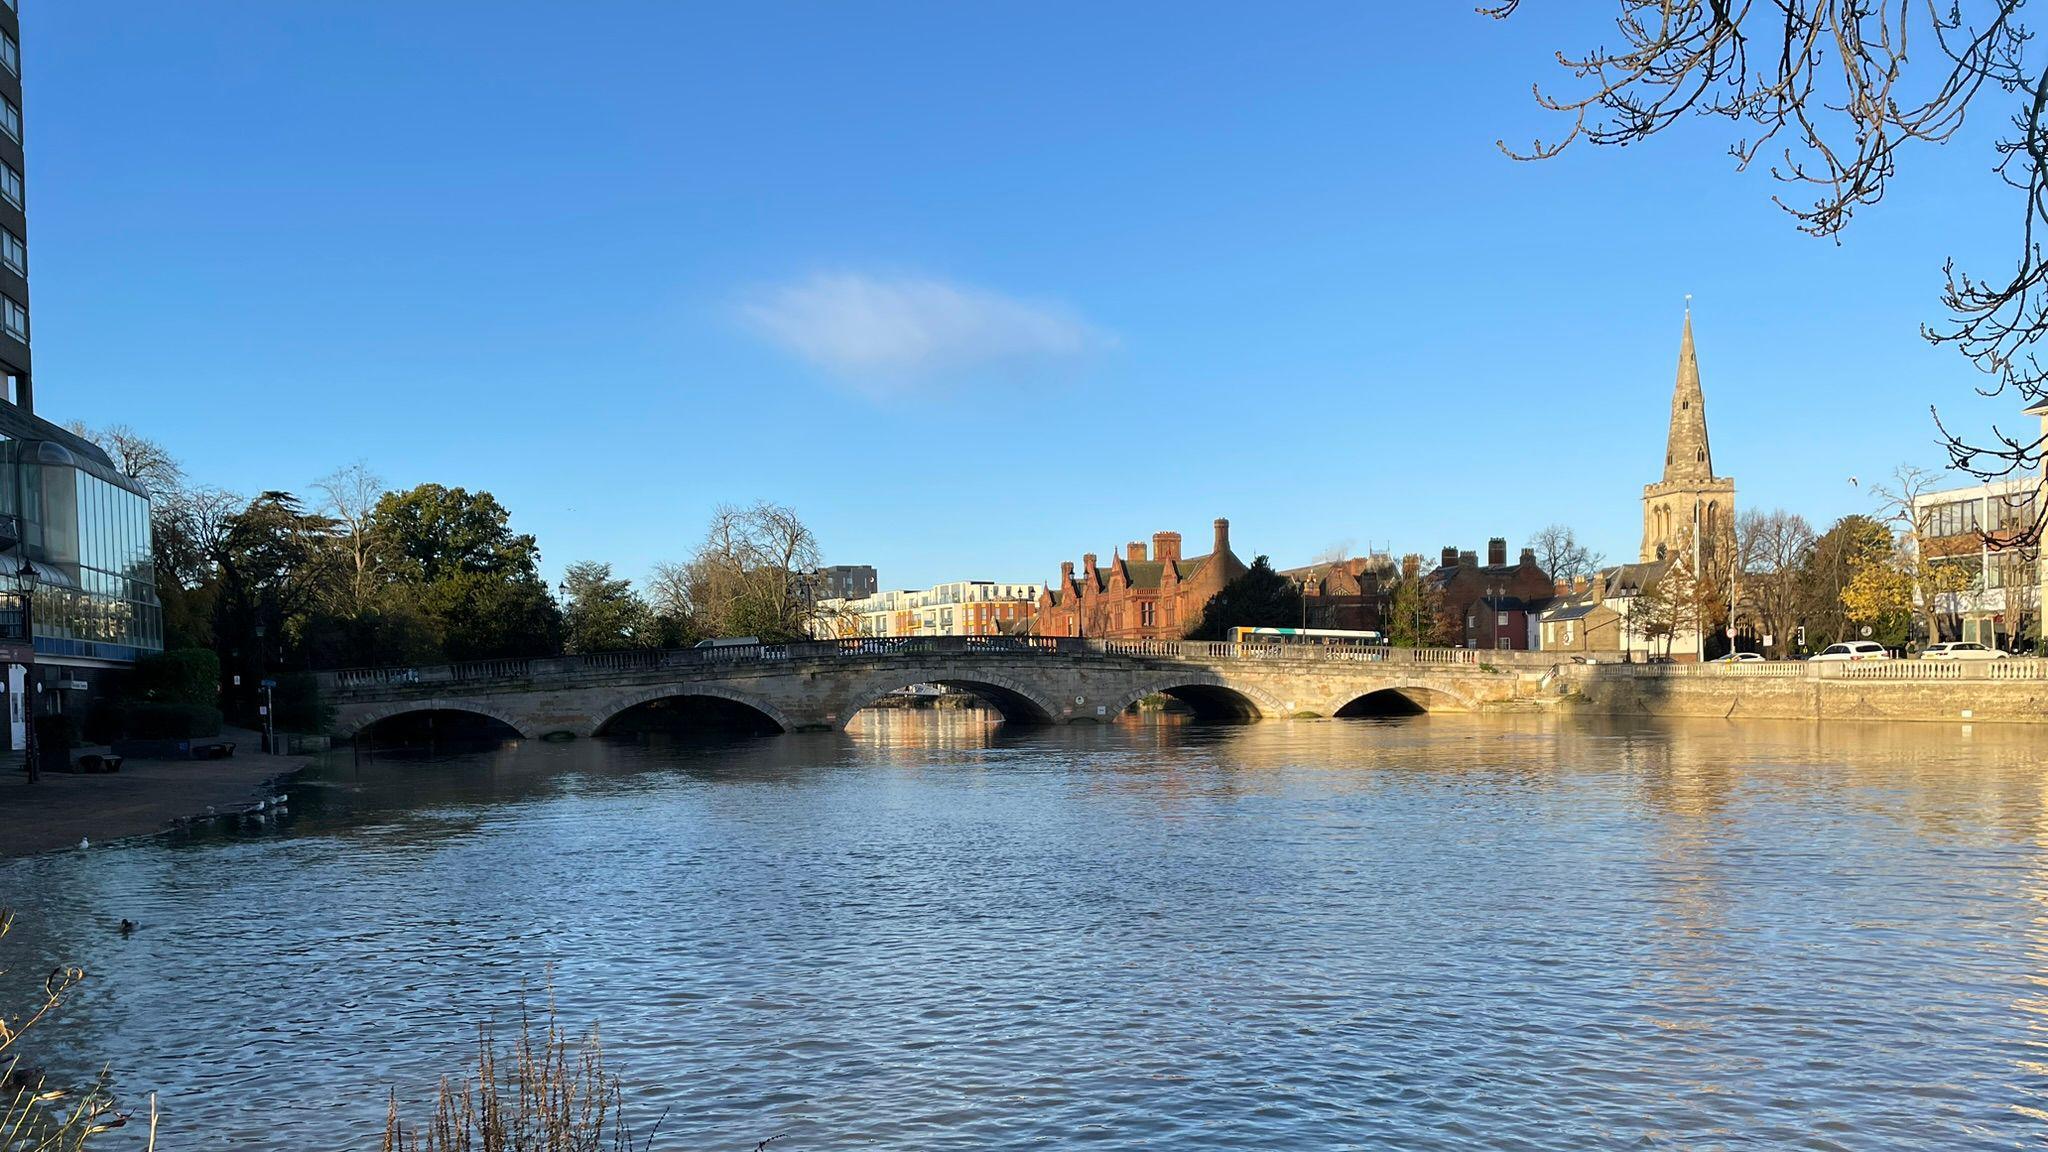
(1690, 494)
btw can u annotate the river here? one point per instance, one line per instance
(936, 932)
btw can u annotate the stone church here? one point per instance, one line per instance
(1690, 502)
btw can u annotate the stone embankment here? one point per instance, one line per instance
(2005, 690)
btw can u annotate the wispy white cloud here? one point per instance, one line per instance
(889, 332)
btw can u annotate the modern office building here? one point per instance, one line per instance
(81, 527)
(1985, 531)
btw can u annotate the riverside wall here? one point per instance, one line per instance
(1718, 693)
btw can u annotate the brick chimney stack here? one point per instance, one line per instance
(1529, 557)
(1088, 564)
(1166, 547)
(1497, 552)
(1468, 559)
(1450, 555)
(1222, 536)
(1135, 552)
(1067, 573)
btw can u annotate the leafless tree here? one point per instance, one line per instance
(136, 456)
(1772, 549)
(1829, 95)
(668, 590)
(349, 496)
(1921, 555)
(751, 574)
(1560, 554)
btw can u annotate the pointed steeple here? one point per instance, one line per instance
(1687, 456)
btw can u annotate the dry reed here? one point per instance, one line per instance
(539, 1093)
(33, 1116)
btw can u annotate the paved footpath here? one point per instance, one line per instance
(139, 800)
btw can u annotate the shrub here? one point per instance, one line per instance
(298, 705)
(183, 676)
(56, 730)
(111, 720)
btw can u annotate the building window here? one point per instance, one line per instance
(10, 119)
(14, 315)
(13, 252)
(10, 53)
(1146, 614)
(10, 184)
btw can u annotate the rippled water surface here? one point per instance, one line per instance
(936, 933)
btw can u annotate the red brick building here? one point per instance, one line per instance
(1144, 594)
(1349, 594)
(1496, 603)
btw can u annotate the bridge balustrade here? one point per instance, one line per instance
(870, 647)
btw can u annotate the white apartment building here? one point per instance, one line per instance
(959, 608)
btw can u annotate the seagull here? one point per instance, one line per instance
(84, 843)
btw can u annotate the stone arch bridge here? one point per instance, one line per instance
(1043, 680)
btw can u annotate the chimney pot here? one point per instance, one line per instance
(1497, 551)
(1469, 559)
(1528, 556)
(1450, 555)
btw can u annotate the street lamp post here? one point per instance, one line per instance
(24, 583)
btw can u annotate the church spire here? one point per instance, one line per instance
(1686, 454)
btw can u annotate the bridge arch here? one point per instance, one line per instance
(1401, 698)
(618, 705)
(1019, 703)
(1209, 694)
(355, 721)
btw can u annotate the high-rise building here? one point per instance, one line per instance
(1690, 503)
(71, 522)
(14, 357)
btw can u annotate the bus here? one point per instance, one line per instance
(1325, 636)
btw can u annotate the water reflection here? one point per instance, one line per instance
(943, 932)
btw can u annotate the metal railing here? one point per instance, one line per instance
(614, 663)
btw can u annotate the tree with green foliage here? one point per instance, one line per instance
(603, 613)
(1830, 564)
(276, 570)
(1416, 614)
(1260, 598)
(467, 572)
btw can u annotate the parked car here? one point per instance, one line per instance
(1962, 650)
(1739, 658)
(1853, 650)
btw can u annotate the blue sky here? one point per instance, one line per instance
(975, 287)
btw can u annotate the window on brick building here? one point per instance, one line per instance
(1146, 614)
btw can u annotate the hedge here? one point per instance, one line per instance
(111, 720)
(181, 676)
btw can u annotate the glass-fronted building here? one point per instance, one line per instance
(84, 528)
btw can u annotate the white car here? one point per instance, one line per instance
(1961, 650)
(1852, 650)
(1739, 658)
